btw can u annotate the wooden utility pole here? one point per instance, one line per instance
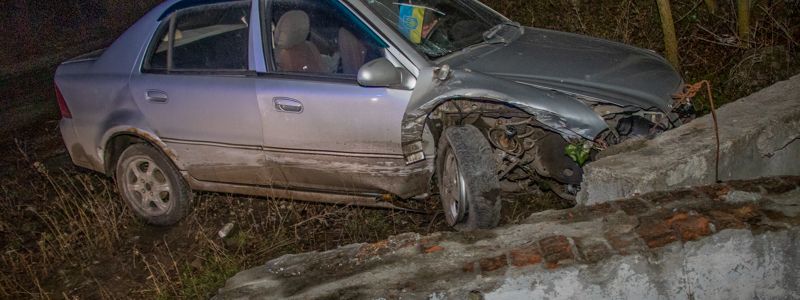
(743, 15)
(712, 6)
(668, 26)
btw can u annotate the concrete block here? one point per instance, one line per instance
(760, 137)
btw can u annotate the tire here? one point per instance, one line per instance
(152, 186)
(467, 175)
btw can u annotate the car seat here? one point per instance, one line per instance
(293, 52)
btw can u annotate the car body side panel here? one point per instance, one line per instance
(211, 122)
(346, 138)
(103, 103)
(98, 102)
(97, 92)
(77, 152)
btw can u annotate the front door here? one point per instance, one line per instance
(323, 130)
(198, 94)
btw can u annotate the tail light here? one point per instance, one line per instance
(62, 105)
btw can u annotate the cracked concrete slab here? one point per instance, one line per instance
(759, 138)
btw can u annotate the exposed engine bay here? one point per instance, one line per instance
(530, 153)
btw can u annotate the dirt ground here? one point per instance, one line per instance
(66, 234)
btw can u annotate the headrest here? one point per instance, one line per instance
(292, 29)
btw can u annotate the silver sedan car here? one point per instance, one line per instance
(361, 102)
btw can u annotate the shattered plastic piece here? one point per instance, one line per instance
(225, 231)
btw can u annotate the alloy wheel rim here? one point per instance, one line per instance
(147, 186)
(454, 191)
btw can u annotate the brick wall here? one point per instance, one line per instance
(652, 232)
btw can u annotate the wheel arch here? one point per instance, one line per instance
(430, 134)
(120, 138)
(415, 124)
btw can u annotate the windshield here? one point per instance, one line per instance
(438, 27)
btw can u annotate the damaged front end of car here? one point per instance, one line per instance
(539, 137)
(631, 122)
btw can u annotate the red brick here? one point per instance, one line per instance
(778, 187)
(749, 186)
(747, 213)
(593, 251)
(375, 249)
(556, 249)
(690, 227)
(633, 207)
(661, 198)
(656, 234)
(656, 196)
(493, 263)
(579, 214)
(715, 193)
(429, 242)
(723, 220)
(469, 267)
(551, 265)
(624, 244)
(525, 256)
(602, 209)
(402, 241)
(433, 249)
(795, 180)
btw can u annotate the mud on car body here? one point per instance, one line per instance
(353, 102)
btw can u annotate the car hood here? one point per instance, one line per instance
(607, 71)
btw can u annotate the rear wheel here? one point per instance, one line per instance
(468, 184)
(152, 186)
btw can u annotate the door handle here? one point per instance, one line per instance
(288, 105)
(156, 96)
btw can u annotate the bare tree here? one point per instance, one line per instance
(712, 6)
(743, 16)
(668, 26)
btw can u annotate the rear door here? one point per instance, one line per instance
(197, 91)
(323, 129)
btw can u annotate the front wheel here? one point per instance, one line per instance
(467, 175)
(152, 186)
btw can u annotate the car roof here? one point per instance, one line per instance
(176, 5)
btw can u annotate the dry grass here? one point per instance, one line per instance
(61, 217)
(79, 229)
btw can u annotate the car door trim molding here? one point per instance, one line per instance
(334, 153)
(284, 150)
(363, 199)
(215, 144)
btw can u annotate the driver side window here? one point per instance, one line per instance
(320, 37)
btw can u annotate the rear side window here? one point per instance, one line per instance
(203, 38)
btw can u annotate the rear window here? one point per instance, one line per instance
(203, 38)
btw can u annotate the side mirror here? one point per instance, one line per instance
(380, 73)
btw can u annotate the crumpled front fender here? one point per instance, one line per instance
(561, 112)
